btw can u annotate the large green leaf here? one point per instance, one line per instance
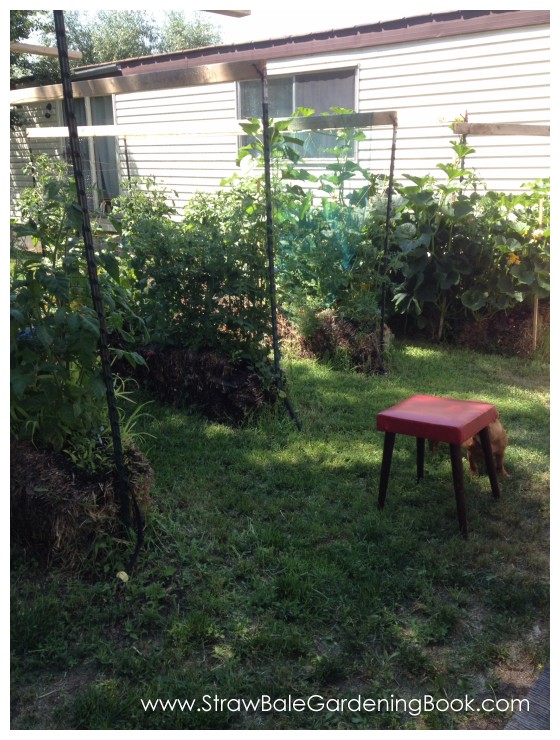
(474, 299)
(20, 381)
(111, 264)
(462, 208)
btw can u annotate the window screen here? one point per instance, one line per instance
(319, 91)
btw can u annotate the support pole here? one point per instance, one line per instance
(270, 249)
(536, 298)
(381, 358)
(123, 483)
(126, 159)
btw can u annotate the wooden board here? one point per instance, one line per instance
(43, 51)
(204, 74)
(538, 716)
(344, 120)
(501, 129)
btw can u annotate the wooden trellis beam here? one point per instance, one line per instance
(366, 119)
(203, 74)
(501, 129)
(44, 51)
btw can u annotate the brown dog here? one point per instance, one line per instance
(498, 441)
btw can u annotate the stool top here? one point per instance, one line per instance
(440, 419)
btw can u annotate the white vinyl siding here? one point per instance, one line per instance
(184, 163)
(495, 77)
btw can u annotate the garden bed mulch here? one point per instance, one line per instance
(58, 511)
(337, 338)
(508, 332)
(205, 381)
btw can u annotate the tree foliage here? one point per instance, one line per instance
(177, 32)
(106, 36)
(22, 24)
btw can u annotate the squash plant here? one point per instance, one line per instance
(442, 241)
(520, 228)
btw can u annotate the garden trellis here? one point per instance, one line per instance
(364, 120)
(123, 481)
(507, 129)
(222, 73)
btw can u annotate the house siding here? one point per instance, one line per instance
(494, 76)
(184, 163)
(499, 76)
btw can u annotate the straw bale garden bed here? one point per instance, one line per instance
(270, 593)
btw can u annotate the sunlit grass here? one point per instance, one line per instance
(269, 570)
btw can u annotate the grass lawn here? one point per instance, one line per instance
(269, 572)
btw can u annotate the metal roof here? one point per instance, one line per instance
(436, 25)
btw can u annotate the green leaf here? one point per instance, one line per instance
(523, 275)
(462, 208)
(44, 336)
(453, 172)
(446, 281)
(473, 299)
(251, 128)
(21, 381)
(111, 265)
(97, 386)
(17, 316)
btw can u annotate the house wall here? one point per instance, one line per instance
(497, 76)
(185, 163)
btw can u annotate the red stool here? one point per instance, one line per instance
(440, 420)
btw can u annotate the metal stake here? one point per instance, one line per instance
(123, 483)
(270, 248)
(381, 360)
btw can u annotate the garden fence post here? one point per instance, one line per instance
(381, 360)
(270, 248)
(123, 483)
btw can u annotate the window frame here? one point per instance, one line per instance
(354, 68)
(95, 186)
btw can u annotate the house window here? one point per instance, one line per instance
(320, 91)
(99, 153)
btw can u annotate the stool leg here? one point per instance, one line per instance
(484, 435)
(420, 448)
(457, 468)
(388, 444)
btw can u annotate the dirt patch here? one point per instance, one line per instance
(33, 707)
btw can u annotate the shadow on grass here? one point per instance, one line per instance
(268, 569)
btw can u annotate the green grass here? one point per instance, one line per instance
(268, 569)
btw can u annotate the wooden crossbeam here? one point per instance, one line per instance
(43, 51)
(344, 120)
(501, 129)
(138, 130)
(231, 13)
(208, 128)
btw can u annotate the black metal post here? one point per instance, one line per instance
(126, 159)
(123, 483)
(381, 359)
(270, 248)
